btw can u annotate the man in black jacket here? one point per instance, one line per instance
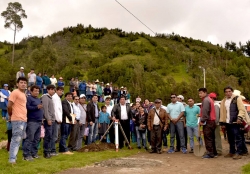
(65, 127)
(92, 118)
(123, 114)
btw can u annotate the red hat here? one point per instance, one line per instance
(212, 95)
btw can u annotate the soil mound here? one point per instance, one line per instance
(94, 147)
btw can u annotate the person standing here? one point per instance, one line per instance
(207, 120)
(31, 78)
(39, 81)
(109, 107)
(33, 130)
(18, 116)
(82, 88)
(4, 96)
(191, 113)
(56, 98)
(75, 127)
(232, 113)
(20, 73)
(157, 122)
(218, 144)
(46, 82)
(123, 114)
(66, 126)
(176, 111)
(92, 117)
(89, 91)
(49, 121)
(53, 80)
(104, 122)
(82, 122)
(60, 83)
(72, 84)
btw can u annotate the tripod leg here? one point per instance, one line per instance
(106, 131)
(124, 135)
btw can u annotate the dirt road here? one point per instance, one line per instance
(145, 163)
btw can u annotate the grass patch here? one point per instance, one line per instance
(246, 169)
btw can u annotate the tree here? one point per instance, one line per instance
(13, 15)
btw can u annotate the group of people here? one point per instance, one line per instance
(74, 117)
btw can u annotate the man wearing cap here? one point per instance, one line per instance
(176, 111)
(232, 113)
(82, 121)
(218, 144)
(31, 77)
(4, 96)
(107, 90)
(60, 83)
(56, 98)
(157, 122)
(20, 73)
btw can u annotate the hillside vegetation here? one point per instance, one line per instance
(149, 66)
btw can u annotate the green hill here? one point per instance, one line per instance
(149, 66)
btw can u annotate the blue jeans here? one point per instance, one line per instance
(193, 131)
(180, 128)
(47, 142)
(4, 113)
(18, 129)
(65, 131)
(55, 129)
(140, 135)
(33, 132)
(165, 138)
(93, 132)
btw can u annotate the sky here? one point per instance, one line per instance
(207, 20)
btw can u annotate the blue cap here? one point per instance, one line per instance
(5, 85)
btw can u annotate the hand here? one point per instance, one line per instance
(91, 123)
(223, 127)
(113, 118)
(133, 119)
(165, 128)
(39, 106)
(239, 121)
(99, 125)
(9, 118)
(70, 122)
(59, 122)
(201, 124)
(49, 122)
(149, 128)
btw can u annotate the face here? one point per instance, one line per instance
(95, 99)
(202, 94)
(146, 102)
(122, 101)
(228, 93)
(21, 70)
(69, 97)
(6, 87)
(141, 109)
(107, 101)
(157, 105)
(82, 100)
(137, 104)
(35, 92)
(22, 85)
(179, 99)
(76, 100)
(104, 109)
(173, 98)
(32, 71)
(59, 92)
(53, 76)
(39, 74)
(190, 102)
(51, 92)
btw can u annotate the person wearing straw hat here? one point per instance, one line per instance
(20, 73)
(232, 113)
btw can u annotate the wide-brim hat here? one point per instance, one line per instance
(97, 81)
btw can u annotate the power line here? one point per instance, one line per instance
(135, 17)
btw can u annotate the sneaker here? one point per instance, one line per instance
(184, 150)
(206, 157)
(165, 148)
(28, 158)
(171, 151)
(237, 156)
(68, 153)
(139, 147)
(47, 156)
(230, 155)
(191, 151)
(54, 154)
(35, 156)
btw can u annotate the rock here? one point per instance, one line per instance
(3, 144)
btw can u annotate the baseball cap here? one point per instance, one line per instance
(82, 95)
(5, 85)
(181, 97)
(212, 95)
(21, 67)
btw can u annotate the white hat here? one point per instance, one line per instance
(21, 67)
(181, 97)
(97, 81)
(122, 87)
(107, 84)
(82, 95)
(237, 92)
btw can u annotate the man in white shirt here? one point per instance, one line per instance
(75, 126)
(31, 77)
(122, 113)
(58, 115)
(109, 110)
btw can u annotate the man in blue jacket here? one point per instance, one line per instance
(33, 130)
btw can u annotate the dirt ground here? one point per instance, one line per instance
(146, 163)
(97, 147)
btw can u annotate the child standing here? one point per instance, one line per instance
(103, 122)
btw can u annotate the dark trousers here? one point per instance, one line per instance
(47, 142)
(126, 128)
(234, 136)
(65, 131)
(209, 137)
(149, 136)
(33, 132)
(73, 137)
(156, 137)
(9, 132)
(112, 134)
(164, 137)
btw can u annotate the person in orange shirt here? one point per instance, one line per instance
(18, 116)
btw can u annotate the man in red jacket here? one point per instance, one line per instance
(207, 120)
